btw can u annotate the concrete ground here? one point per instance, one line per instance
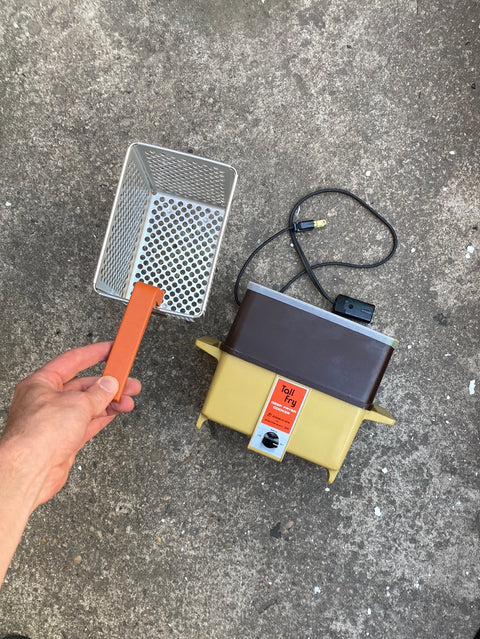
(165, 531)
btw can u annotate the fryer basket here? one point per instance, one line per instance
(166, 226)
(162, 242)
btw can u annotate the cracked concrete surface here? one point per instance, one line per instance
(165, 531)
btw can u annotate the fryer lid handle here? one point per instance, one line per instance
(142, 301)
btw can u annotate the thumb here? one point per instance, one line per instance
(102, 393)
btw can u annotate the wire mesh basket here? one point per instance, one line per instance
(166, 226)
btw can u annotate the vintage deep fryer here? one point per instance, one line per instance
(162, 241)
(296, 378)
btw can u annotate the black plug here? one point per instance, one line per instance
(308, 225)
(353, 309)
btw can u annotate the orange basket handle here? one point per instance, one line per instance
(142, 301)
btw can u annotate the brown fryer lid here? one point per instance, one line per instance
(309, 345)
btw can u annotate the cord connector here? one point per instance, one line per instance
(308, 225)
(353, 309)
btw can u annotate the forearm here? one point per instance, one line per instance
(53, 414)
(19, 488)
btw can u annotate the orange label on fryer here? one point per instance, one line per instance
(284, 405)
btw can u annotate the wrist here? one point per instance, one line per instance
(19, 490)
(21, 477)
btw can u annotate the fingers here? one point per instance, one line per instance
(125, 405)
(101, 393)
(132, 387)
(69, 364)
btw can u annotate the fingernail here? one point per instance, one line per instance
(109, 384)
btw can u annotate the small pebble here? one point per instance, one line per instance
(77, 560)
(34, 28)
(378, 512)
(155, 456)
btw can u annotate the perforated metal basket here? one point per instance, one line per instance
(166, 227)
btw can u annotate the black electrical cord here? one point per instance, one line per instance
(308, 269)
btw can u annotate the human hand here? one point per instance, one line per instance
(54, 413)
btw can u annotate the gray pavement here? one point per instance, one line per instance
(165, 531)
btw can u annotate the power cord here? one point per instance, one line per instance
(342, 305)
